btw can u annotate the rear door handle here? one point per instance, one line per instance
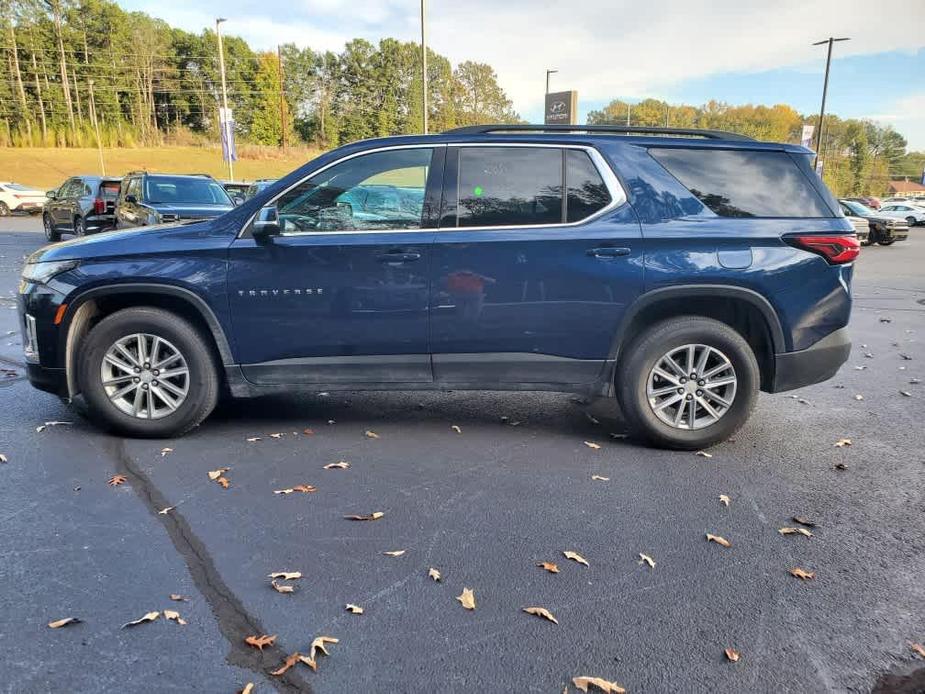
(398, 257)
(608, 252)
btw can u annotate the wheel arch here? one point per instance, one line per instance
(744, 310)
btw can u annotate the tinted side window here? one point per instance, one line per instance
(586, 192)
(509, 186)
(744, 183)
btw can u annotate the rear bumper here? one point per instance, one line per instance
(812, 365)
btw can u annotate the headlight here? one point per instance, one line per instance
(40, 273)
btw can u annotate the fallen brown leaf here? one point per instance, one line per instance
(375, 515)
(732, 654)
(591, 444)
(584, 682)
(575, 556)
(802, 574)
(456, 428)
(372, 435)
(548, 566)
(259, 642)
(858, 397)
(704, 454)
(176, 597)
(248, 688)
(149, 617)
(302, 488)
(718, 540)
(802, 520)
(724, 499)
(340, 465)
(282, 588)
(918, 648)
(3, 458)
(277, 435)
(647, 559)
(175, 616)
(223, 482)
(165, 451)
(253, 439)
(394, 553)
(288, 663)
(599, 478)
(67, 621)
(541, 612)
(434, 574)
(216, 474)
(286, 575)
(795, 531)
(116, 480)
(841, 443)
(356, 609)
(317, 645)
(467, 599)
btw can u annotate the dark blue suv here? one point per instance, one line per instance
(678, 271)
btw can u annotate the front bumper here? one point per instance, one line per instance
(49, 380)
(29, 206)
(812, 365)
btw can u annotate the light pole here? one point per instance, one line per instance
(825, 89)
(224, 120)
(424, 62)
(548, 73)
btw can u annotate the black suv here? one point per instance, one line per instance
(82, 205)
(147, 198)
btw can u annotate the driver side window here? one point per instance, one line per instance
(372, 192)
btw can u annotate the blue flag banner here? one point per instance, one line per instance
(226, 121)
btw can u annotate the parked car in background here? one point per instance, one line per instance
(884, 229)
(258, 186)
(15, 197)
(872, 202)
(236, 190)
(82, 205)
(912, 213)
(498, 257)
(147, 198)
(860, 224)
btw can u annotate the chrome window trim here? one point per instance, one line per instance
(617, 193)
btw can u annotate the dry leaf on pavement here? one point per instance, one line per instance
(339, 465)
(303, 488)
(375, 515)
(802, 574)
(277, 435)
(175, 616)
(467, 599)
(918, 648)
(289, 662)
(394, 553)
(286, 575)
(149, 617)
(548, 566)
(282, 588)
(841, 443)
(795, 531)
(434, 574)
(248, 688)
(599, 478)
(372, 435)
(732, 654)
(43, 427)
(600, 683)
(3, 458)
(724, 499)
(216, 474)
(647, 559)
(67, 621)
(591, 444)
(253, 439)
(317, 645)
(541, 612)
(166, 510)
(176, 597)
(575, 556)
(840, 466)
(456, 428)
(165, 451)
(356, 609)
(223, 482)
(259, 642)
(116, 480)
(718, 540)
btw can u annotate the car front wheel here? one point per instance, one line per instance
(147, 372)
(4, 209)
(80, 227)
(688, 383)
(51, 234)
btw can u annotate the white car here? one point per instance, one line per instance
(912, 213)
(15, 197)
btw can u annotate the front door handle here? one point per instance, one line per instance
(608, 252)
(398, 257)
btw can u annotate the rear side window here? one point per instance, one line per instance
(744, 183)
(586, 192)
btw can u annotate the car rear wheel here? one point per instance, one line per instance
(51, 234)
(886, 242)
(912, 221)
(80, 227)
(688, 383)
(4, 209)
(147, 372)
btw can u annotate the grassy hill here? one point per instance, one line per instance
(47, 168)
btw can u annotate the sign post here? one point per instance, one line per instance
(806, 138)
(561, 108)
(229, 151)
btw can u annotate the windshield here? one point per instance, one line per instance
(177, 190)
(858, 208)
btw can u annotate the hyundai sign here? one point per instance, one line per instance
(562, 108)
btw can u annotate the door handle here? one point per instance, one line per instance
(398, 257)
(608, 252)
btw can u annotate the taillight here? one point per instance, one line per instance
(835, 249)
(99, 206)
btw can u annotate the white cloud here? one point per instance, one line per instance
(907, 115)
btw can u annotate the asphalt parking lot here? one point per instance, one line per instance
(513, 487)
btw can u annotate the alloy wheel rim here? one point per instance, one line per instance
(691, 387)
(145, 376)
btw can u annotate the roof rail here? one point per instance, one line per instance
(614, 129)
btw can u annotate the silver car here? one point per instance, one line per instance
(912, 213)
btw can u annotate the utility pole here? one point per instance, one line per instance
(96, 128)
(548, 73)
(224, 121)
(424, 61)
(282, 98)
(628, 107)
(825, 89)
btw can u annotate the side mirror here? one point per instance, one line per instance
(51, 194)
(131, 199)
(266, 223)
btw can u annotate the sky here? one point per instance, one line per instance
(683, 51)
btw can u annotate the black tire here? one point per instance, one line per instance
(911, 221)
(80, 226)
(51, 234)
(867, 242)
(203, 380)
(641, 356)
(4, 209)
(886, 242)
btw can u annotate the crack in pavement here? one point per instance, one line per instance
(234, 622)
